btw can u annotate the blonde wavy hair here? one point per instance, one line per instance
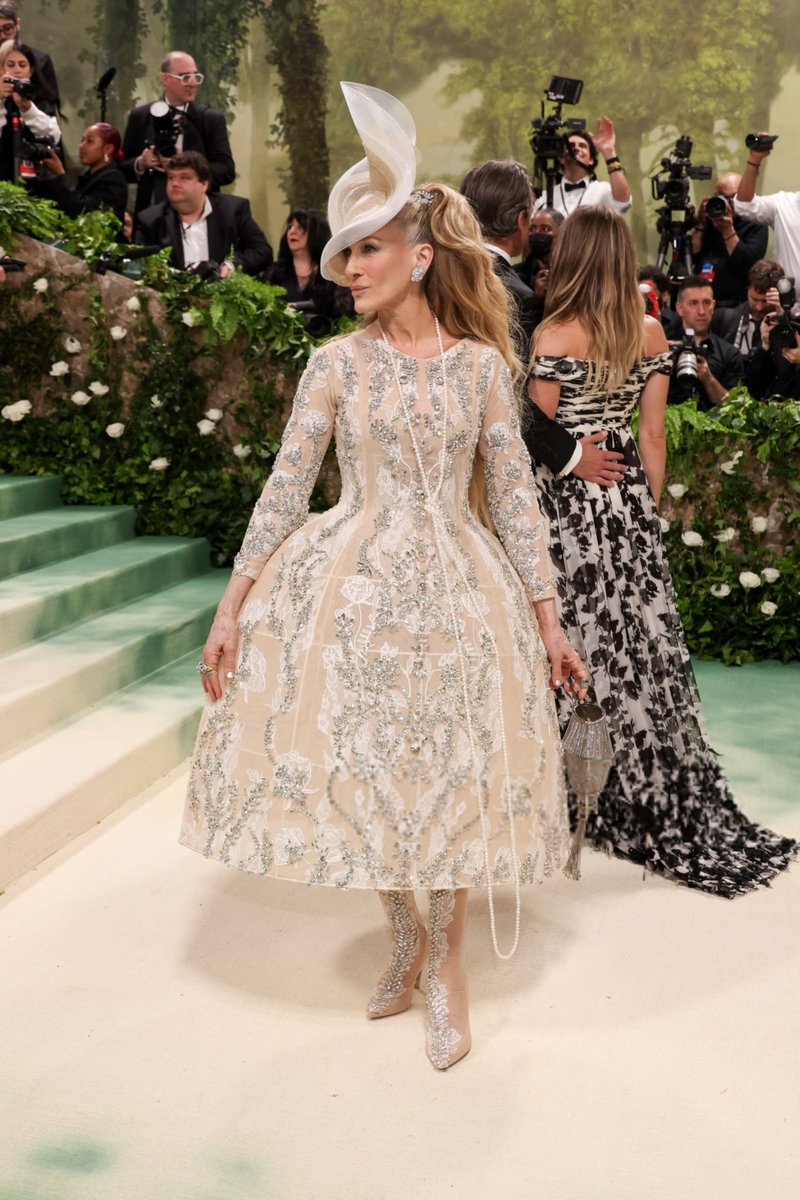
(594, 281)
(462, 289)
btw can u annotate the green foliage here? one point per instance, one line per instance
(21, 213)
(740, 467)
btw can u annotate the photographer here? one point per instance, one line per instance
(208, 234)
(718, 365)
(781, 210)
(725, 246)
(741, 325)
(10, 29)
(773, 367)
(27, 99)
(102, 185)
(578, 186)
(148, 148)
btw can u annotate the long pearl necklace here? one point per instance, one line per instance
(440, 532)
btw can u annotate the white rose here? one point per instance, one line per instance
(41, 284)
(205, 426)
(241, 451)
(115, 430)
(159, 464)
(720, 590)
(80, 398)
(748, 579)
(727, 468)
(189, 318)
(726, 535)
(118, 332)
(134, 304)
(758, 524)
(664, 523)
(768, 608)
(72, 345)
(690, 538)
(59, 368)
(676, 490)
(215, 414)
(15, 412)
(155, 402)
(98, 389)
(770, 574)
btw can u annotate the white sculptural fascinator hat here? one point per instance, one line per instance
(373, 191)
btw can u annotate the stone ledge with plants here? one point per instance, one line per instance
(170, 394)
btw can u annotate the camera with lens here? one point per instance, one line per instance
(717, 206)
(761, 141)
(23, 87)
(783, 333)
(167, 127)
(208, 270)
(550, 134)
(671, 182)
(33, 150)
(684, 368)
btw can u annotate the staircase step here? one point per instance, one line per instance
(57, 789)
(53, 679)
(39, 538)
(21, 494)
(39, 603)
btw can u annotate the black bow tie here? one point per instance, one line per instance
(571, 187)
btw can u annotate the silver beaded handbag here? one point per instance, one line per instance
(588, 755)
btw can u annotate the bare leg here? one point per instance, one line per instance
(449, 1037)
(409, 944)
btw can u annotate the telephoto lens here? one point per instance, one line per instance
(686, 362)
(716, 206)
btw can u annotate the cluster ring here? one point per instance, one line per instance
(203, 668)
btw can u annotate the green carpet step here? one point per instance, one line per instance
(38, 603)
(22, 494)
(61, 786)
(36, 539)
(56, 678)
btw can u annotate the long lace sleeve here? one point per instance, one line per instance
(510, 488)
(283, 505)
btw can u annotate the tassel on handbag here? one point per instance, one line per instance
(588, 756)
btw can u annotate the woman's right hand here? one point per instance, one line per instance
(220, 652)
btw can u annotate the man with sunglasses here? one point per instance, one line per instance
(198, 128)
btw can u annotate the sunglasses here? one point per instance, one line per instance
(187, 76)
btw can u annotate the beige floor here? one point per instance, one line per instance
(175, 1030)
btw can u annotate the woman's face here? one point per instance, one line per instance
(296, 236)
(379, 269)
(16, 65)
(544, 223)
(92, 150)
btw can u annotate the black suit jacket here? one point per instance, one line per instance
(527, 310)
(106, 188)
(204, 132)
(725, 321)
(46, 72)
(731, 270)
(230, 228)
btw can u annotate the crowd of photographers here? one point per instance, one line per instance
(727, 309)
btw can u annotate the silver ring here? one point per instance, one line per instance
(203, 668)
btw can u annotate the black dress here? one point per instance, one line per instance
(667, 803)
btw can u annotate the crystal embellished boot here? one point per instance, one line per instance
(409, 943)
(448, 1037)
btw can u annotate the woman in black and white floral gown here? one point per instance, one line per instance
(666, 803)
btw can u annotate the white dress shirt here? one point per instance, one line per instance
(595, 193)
(39, 123)
(195, 238)
(782, 212)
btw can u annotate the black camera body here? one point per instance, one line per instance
(684, 367)
(208, 270)
(167, 128)
(671, 182)
(550, 134)
(23, 87)
(783, 335)
(718, 206)
(761, 141)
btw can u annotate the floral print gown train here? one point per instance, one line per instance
(666, 803)
(390, 715)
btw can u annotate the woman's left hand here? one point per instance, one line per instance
(566, 667)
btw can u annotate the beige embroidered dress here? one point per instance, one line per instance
(389, 724)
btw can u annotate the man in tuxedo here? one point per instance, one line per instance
(10, 31)
(741, 325)
(197, 127)
(500, 195)
(206, 232)
(578, 185)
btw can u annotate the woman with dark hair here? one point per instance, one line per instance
(27, 100)
(597, 359)
(297, 270)
(102, 185)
